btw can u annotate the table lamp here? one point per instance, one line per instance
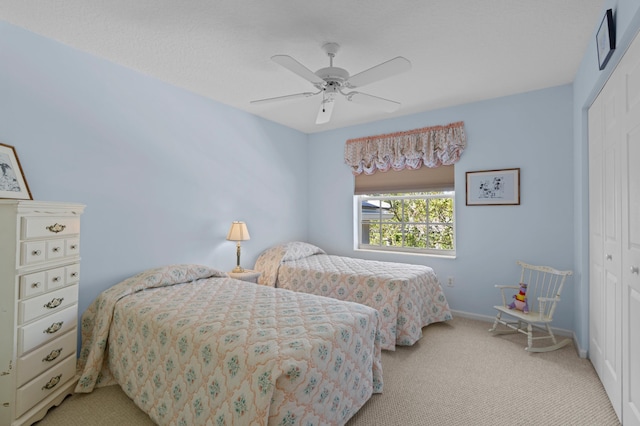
(238, 232)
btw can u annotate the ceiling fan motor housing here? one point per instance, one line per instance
(334, 78)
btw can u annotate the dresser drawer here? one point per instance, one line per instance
(55, 278)
(39, 388)
(72, 246)
(72, 274)
(33, 252)
(39, 227)
(32, 284)
(29, 366)
(39, 282)
(55, 249)
(47, 303)
(46, 329)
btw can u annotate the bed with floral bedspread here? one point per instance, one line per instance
(408, 297)
(191, 346)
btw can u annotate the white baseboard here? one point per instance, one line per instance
(582, 353)
(463, 314)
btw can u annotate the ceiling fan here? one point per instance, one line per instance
(332, 80)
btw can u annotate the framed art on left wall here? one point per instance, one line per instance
(12, 181)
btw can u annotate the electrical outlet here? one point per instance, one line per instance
(450, 282)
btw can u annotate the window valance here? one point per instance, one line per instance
(429, 146)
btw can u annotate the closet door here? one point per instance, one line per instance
(630, 179)
(597, 342)
(614, 232)
(613, 110)
(596, 237)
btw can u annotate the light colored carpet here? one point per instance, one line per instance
(457, 374)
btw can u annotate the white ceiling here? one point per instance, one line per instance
(461, 50)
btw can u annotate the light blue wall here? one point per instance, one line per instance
(587, 84)
(163, 172)
(532, 131)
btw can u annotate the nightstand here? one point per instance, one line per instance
(247, 275)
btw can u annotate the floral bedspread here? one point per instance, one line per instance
(408, 297)
(191, 346)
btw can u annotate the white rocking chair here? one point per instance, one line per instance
(543, 288)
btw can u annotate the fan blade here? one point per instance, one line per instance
(297, 68)
(326, 108)
(379, 72)
(374, 101)
(284, 98)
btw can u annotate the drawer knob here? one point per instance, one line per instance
(55, 249)
(35, 285)
(73, 246)
(53, 355)
(56, 326)
(74, 275)
(56, 279)
(56, 228)
(52, 382)
(36, 253)
(54, 303)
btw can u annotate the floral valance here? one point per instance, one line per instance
(429, 146)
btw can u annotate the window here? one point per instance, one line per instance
(406, 211)
(404, 189)
(416, 222)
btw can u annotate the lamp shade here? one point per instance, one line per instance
(238, 232)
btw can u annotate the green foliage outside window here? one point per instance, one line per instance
(415, 221)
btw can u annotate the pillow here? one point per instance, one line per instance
(169, 275)
(270, 260)
(298, 250)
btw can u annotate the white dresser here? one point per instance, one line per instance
(39, 276)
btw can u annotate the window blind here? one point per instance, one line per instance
(424, 179)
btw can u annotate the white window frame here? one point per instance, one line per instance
(358, 225)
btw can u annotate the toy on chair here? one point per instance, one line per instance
(520, 300)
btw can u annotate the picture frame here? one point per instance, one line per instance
(493, 187)
(13, 184)
(606, 39)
